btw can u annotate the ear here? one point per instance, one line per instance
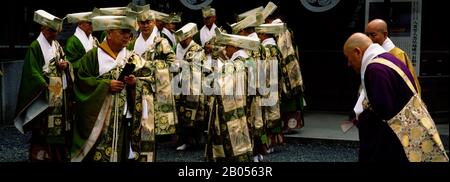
(358, 51)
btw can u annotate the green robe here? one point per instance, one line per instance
(96, 102)
(32, 70)
(74, 51)
(42, 104)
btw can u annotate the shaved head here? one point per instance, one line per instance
(378, 24)
(377, 31)
(357, 40)
(354, 49)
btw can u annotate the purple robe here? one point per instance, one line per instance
(388, 94)
(386, 90)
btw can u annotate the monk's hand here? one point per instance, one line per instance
(116, 86)
(62, 65)
(130, 80)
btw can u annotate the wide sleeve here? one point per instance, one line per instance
(90, 93)
(33, 81)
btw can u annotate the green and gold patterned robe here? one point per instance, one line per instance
(191, 106)
(257, 126)
(108, 127)
(270, 103)
(229, 139)
(292, 84)
(43, 102)
(160, 56)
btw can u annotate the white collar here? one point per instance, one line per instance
(141, 45)
(206, 34)
(371, 52)
(107, 63)
(388, 45)
(170, 35)
(213, 27)
(240, 53)
(269, 41)
(48, 51)
(182, 51)
(87, 42)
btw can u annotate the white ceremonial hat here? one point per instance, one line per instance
(249, 12)
(138, 8)
(100, 23)
(237, 40)
(208, 11)
(111, 11)
(160, 15)
(271, 28)
(252, 20)
(268, 10)
(77, 17)
(143, 15)
(46, 19)
(186, 31)
(174, 18)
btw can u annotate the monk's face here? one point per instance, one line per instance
(230, 50)
(171, 26)
(119, 37)
(209, 21)
(243, 33)
(184, 43)
(86, 27)
(146, 26)
(376, 34)
(263, 36)
(354, 57)
(49, 33)
(159, 24)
